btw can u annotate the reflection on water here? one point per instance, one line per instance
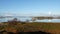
(30, 19)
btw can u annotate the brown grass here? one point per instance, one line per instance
(53, 28)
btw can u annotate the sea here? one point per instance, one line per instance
(24, 19)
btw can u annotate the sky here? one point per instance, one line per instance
(29, 7)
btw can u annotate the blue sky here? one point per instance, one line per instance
(29, 7)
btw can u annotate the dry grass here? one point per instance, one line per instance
(53, 28)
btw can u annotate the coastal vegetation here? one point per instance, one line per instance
(17, 26)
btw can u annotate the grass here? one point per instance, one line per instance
(27, 27)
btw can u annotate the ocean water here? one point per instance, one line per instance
(19, 19)
(28, 18)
